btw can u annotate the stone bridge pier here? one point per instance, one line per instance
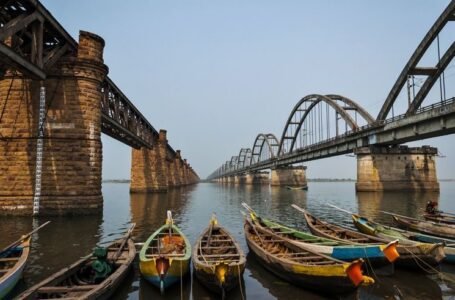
(155, 170)
(56, 165)
(294, 176)
(396, 169)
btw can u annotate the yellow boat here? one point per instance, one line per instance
(165, 257)
(218, 260)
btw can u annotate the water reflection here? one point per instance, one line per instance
(66, 239)
(370, 204)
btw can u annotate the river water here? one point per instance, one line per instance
(67, 239)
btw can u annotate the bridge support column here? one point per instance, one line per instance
(149, 171)
(177, 165)
(256, 178)
(396, 168)
(71, 155)
(289, 176)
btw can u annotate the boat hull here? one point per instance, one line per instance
(327, 284)
(208, 278)
(177, 269)
(9, 280)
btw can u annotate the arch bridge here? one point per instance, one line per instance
(321, 126)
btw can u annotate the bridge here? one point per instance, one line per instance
(321, 126)
(55, 101)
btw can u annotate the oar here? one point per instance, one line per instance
(341, 209)
(24, 237)
(393, 214)
(298, 208)
(125, 239)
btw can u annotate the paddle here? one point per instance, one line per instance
(298, 208)
(341, 209)
(23, 237)
(125, 239)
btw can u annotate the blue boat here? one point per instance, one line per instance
(12, 264)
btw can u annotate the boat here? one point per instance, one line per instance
(12, 264)
(301, 266)
(377, 255)
(13, 259)
(218, 260)
(440, 217)
(297, 187)
(386, 232)
(412, 253)
(165, 257)
(95, 276)
(431, 228)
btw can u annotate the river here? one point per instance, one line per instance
(67, 239)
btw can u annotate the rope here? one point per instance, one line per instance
(181, 280)
(240, 282)
(417, 259)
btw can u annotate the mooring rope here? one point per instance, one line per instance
(417, 259)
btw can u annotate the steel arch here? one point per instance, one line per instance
(262, 139)
(314, 99)
(411, 67)
(244, 157)
(234, 162)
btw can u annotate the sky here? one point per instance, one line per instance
(215, 74)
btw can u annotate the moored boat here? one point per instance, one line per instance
(377, 255)
(440, 217)
(305, 187)
(389, 233)
(432, 228)
(12, 264)
(412, 253)
(165, 257)
(218, 260)
(93, 277)
(302, 266)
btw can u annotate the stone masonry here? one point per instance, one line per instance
(72, 156)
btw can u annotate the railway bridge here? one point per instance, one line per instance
(55, 101)
(321, 126)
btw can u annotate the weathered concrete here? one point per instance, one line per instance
(396, 168)
(257, 178)
(72, 152)
(289, 176)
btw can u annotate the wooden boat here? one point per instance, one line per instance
(218, 260)
(297, 187)
(412, 253)
(93, 277)
(440, 218)
(377, 255)
(12, 264)
(302, 266)
(386, 232)
(12, 261)
(437, 229)
(165, 257)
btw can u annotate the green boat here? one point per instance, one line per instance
(377, 255)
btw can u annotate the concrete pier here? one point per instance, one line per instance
(396, 168)
(289, 176)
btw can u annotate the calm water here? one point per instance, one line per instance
(67, 239)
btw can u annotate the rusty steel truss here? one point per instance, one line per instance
(32, 41)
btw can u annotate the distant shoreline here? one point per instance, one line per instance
(309, 180)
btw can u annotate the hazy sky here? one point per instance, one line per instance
(217, 73)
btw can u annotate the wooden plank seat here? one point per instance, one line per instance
(163, 254)
(220, 255)
(4, 270)
(7, 259)
(66, 289)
